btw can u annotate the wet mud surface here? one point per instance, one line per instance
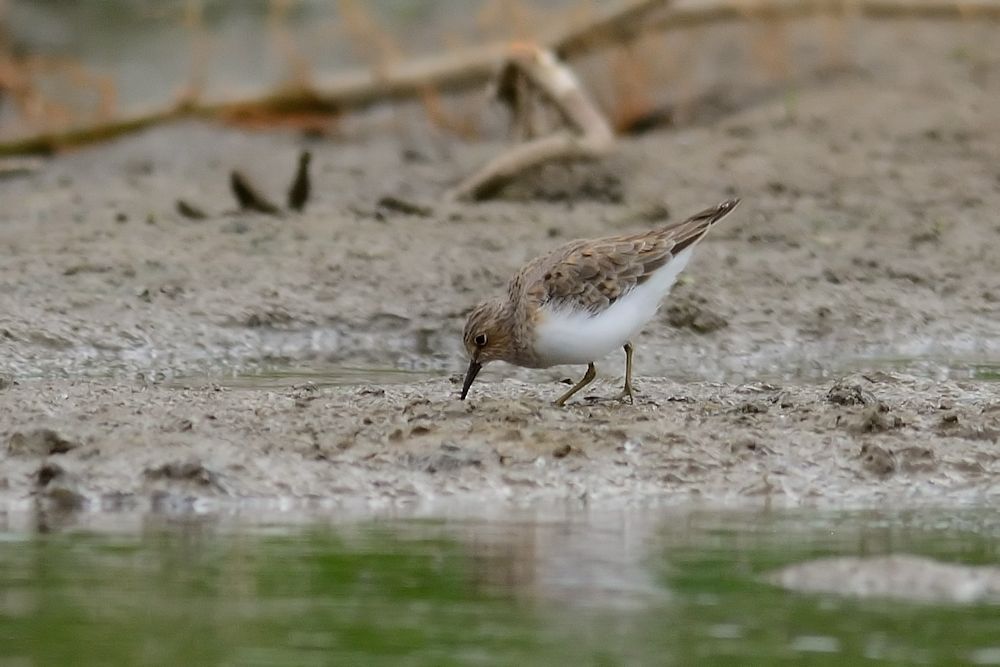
(868, 230)
(863, 441)
(901, 577)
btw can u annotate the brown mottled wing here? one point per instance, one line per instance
(592, 275)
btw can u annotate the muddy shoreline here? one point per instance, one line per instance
(867, 233)
(866, 440)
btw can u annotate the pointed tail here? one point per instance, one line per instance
(688, 232)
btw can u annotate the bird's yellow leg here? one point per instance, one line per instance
(587, 379)
(627, 390)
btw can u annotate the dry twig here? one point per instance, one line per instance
(532, 70)
(298, 193)
(248, 197)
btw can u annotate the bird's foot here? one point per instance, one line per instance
(627, 395)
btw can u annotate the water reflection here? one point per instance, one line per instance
(476, 585)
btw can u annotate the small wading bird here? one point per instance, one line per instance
(583, 300)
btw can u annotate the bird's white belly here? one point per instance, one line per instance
(567, 336)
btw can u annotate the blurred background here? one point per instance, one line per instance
(826, 111)
(66, 64)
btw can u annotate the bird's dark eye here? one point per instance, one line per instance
(480, 340)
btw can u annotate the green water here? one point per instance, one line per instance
(592, 589)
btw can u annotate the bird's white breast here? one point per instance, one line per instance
(574, 336)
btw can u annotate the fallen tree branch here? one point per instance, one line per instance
(589, 134)
(702, 14)
(353, 90)
(557, 147)
(472, 67)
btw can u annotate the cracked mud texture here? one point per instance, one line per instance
(868, 230)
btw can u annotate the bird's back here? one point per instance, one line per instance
(591, 274)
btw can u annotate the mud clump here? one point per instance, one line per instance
(56, 488)
(692, 313)
(48, 472)
(850, 391)
(39, 442)
(876, 419)
(266, 318)
(192, 472)
(901, 577)
(878, 460)
(562, 451)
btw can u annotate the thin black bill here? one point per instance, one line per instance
(470, 376)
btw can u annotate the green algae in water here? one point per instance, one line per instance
(990, 372)
(440, 593)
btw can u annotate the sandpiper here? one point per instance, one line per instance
(583, 300)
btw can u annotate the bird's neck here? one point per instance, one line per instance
(519, 320)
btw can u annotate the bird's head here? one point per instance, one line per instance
(487, 337)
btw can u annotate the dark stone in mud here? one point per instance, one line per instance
(6, 382)
(849, 391)
(691, 313)
(48, 472)
(949, 419)
(562, 451)
(40, 442)
(64, 498)
(57, 489)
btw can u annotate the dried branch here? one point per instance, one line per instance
(589, 134)
(298, 192)
(721, 12)
(189, 210)
(249, 197)
(404, 79)
(472, 67)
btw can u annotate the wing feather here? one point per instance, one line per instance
(593, 274)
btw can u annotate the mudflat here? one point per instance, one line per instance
(868, 232)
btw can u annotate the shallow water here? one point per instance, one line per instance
(305, 376)
(327, 375)
(615, 587)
